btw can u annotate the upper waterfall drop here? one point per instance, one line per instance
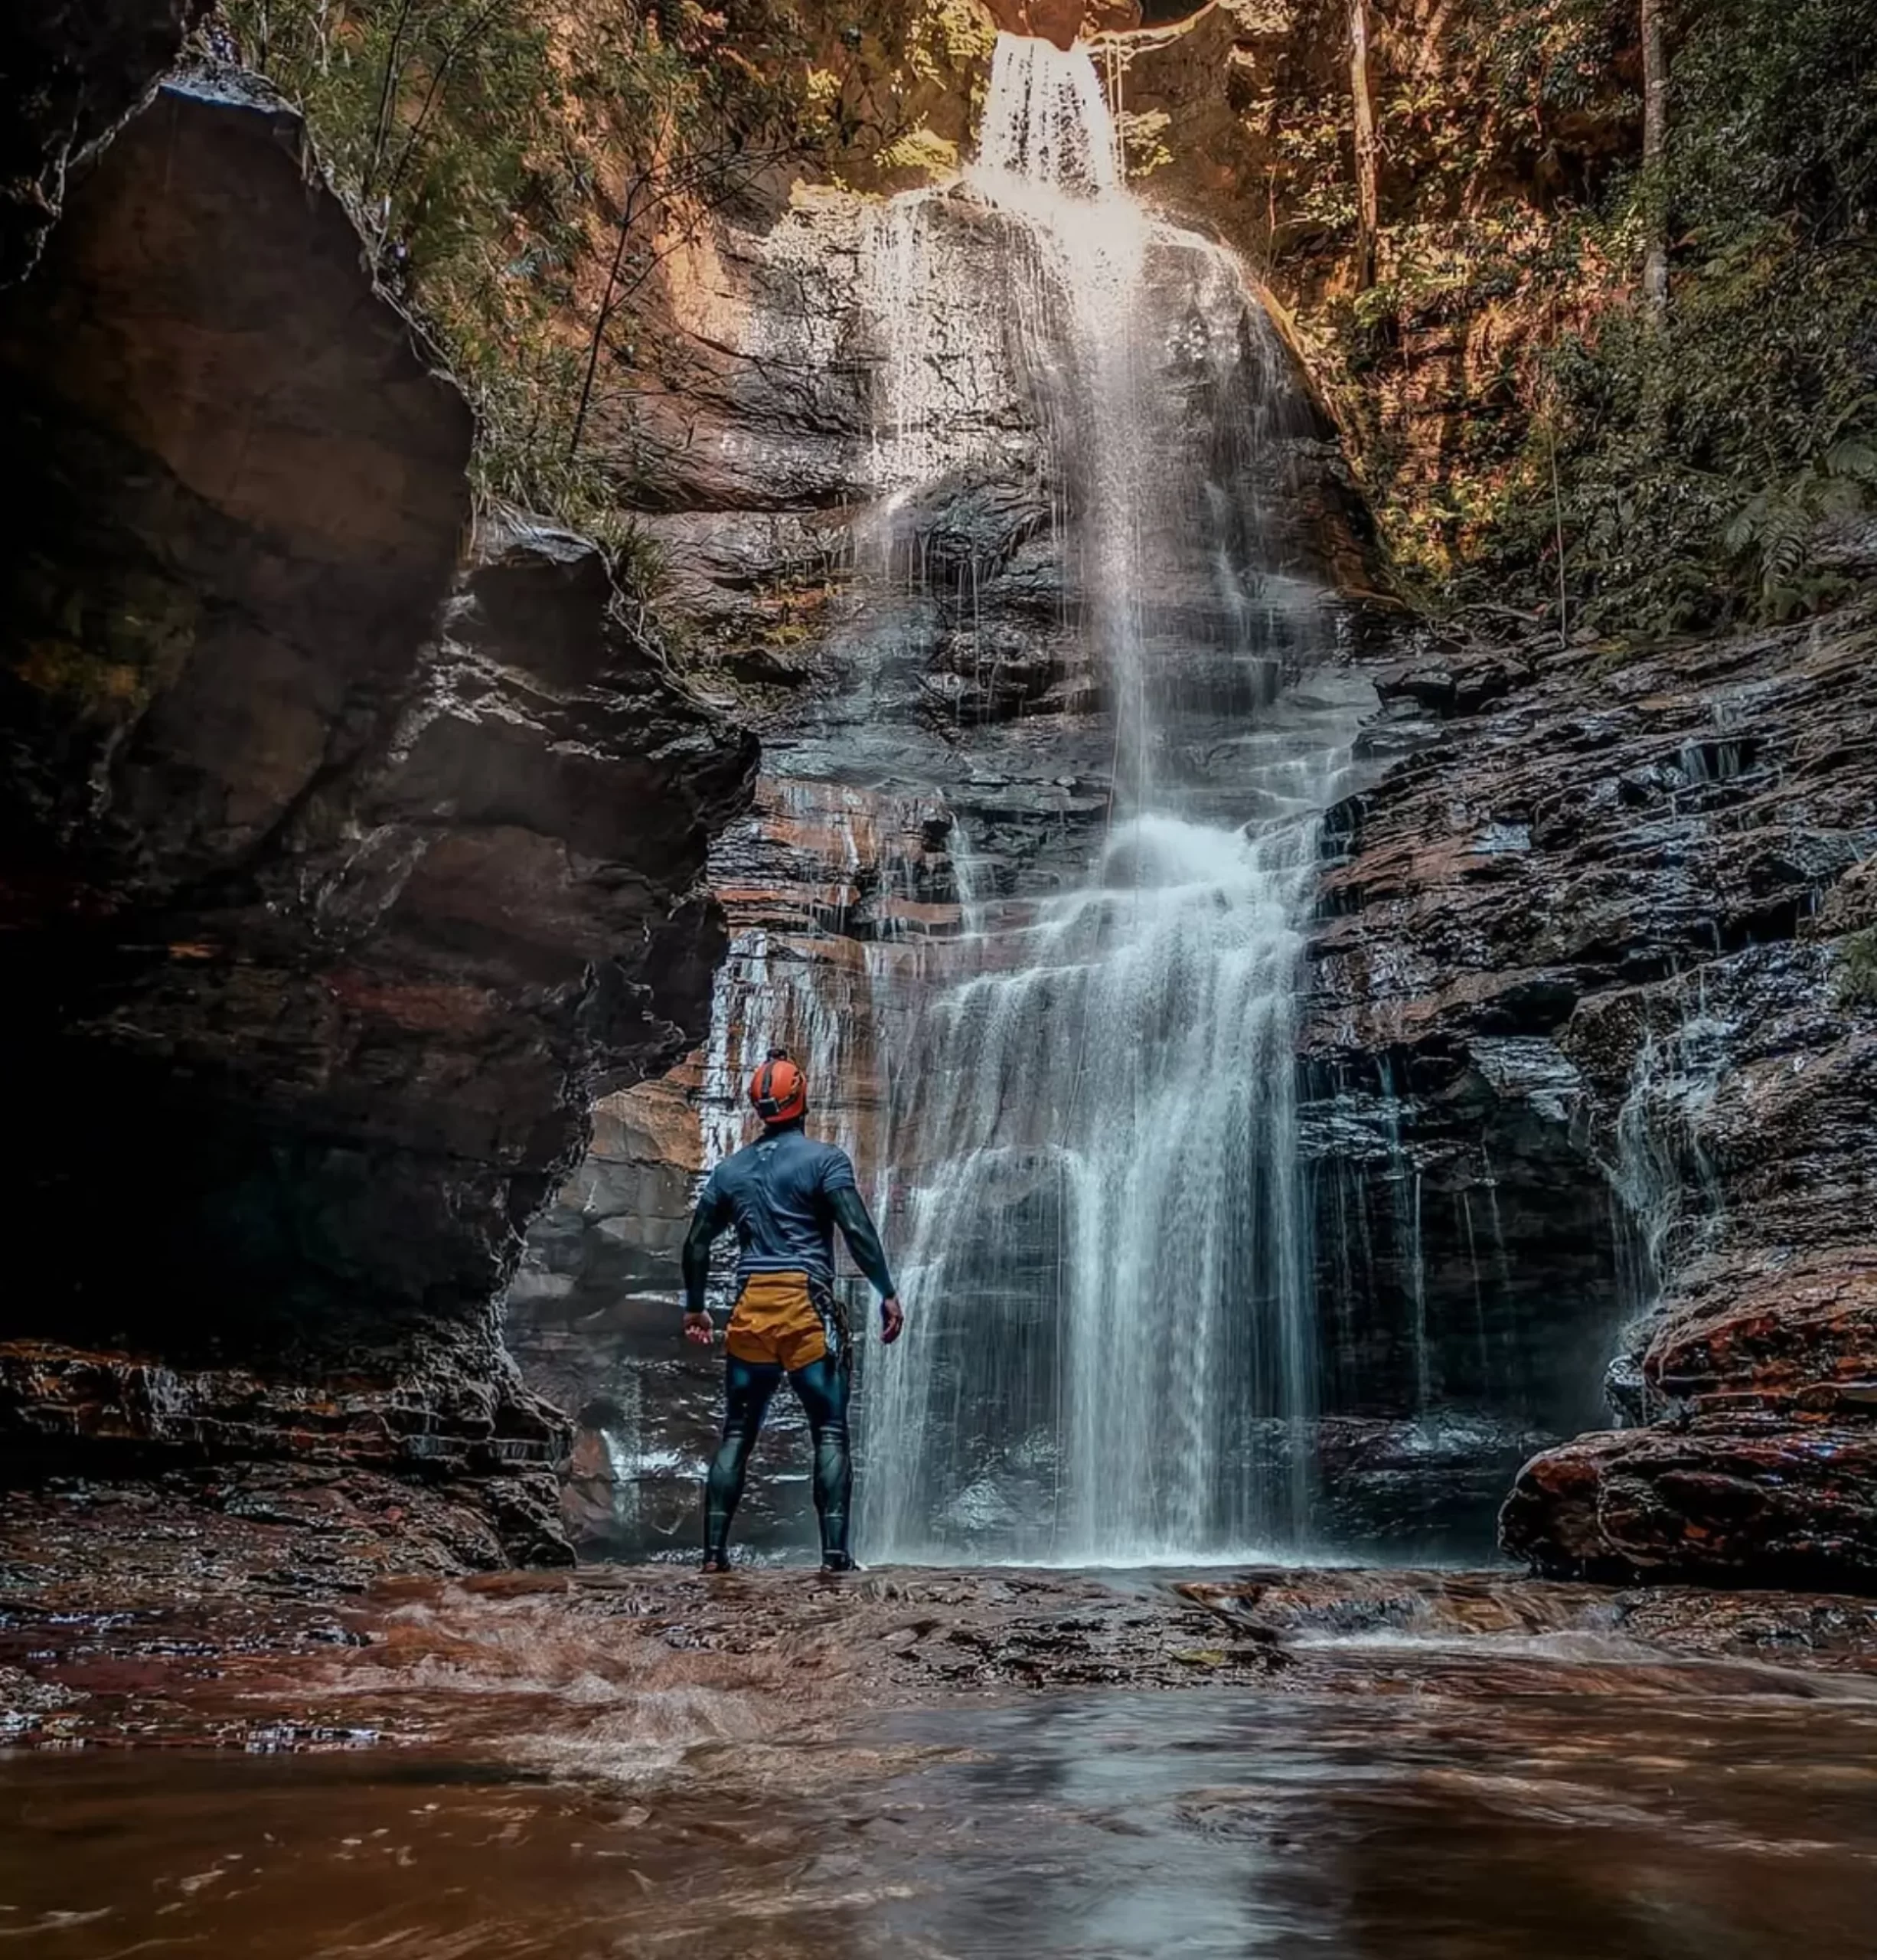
(1102, 1228)
(1046, 124)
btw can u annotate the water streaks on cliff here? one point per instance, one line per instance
(1093, 1106)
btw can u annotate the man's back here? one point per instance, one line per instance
(779, 1192)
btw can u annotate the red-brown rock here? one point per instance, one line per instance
(1613, 907)
(1742, 1495)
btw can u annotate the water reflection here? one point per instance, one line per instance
(1549, 1829)
(1547, 1825)
(295, 1858)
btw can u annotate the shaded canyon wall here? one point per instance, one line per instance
(339, 874)
(1634, 893)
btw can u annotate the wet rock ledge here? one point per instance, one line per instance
(129, 1617)
(1629, 902)
(340, 868)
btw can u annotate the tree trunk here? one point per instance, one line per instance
(1368, 197)
(387, 101)
(628, 213)
(1655, 161)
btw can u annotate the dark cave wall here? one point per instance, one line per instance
(338, 871)
(71, 71)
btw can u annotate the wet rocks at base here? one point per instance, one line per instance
(1619, 906)
(307, 1616)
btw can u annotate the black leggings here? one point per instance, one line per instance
(822, 1388)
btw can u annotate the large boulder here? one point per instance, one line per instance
(71, 72)
(338, 881)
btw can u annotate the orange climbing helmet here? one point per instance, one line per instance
(778, 1091)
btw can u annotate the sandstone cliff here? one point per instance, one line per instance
(1620, 905)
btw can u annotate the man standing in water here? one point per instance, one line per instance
(784, 1193)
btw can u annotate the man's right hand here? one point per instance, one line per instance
(699, 1329)
(892, 1320)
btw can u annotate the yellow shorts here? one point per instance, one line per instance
(777, 1320)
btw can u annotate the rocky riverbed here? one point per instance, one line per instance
(237, 1613)
(263, 1733)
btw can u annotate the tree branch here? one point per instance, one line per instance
(470, 34)
(388, 91)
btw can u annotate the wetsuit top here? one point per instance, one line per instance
(779, 1191)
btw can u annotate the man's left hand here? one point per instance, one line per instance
(699, 1329)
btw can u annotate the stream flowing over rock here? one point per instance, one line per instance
(1050, 734)
(337, 879)
(1322, 1081)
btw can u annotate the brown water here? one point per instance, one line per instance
(1545, 1811)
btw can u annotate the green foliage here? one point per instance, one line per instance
(943, 36)
(1143, 141)
(1688, 465)
(1309, 144)
(495, 151)
(1856, 974)
(1551, 58)
(920, 150)
(1774, 530)
(1776, 112)
(1699, 458)
(1517, 411)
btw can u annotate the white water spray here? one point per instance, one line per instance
(1104, 1241)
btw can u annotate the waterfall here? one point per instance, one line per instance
(1101, 1233)
(1046, 127)
(1662, 1182)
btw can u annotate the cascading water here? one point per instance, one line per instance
(1046, 125)
(1662, 1182)
(1103, 1236)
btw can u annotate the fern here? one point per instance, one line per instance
(1776, 531)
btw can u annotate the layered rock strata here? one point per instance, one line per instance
(337, 881)
(1625, 902)
(772, 433)
(874, 539)
(1492, 1207)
